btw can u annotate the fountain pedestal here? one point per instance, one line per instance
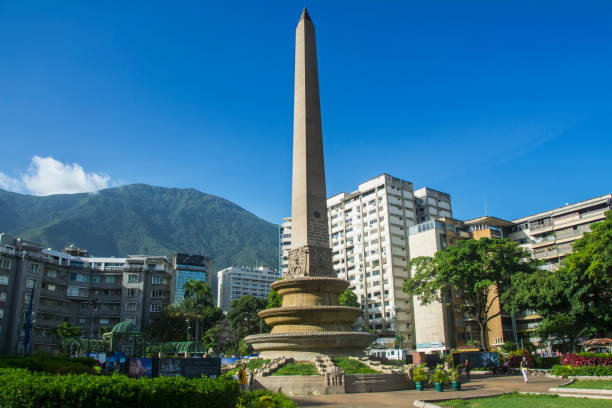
(310, 321)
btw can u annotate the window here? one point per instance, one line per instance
(95, 279)
(2, 296)
(5, 263)
(4, 280)
(159, 280)
(52, 274)
(76, 291)
(34, 268)
(133, 278)
(157, 294)
(1, 313)
(104, 321)
(109, 279)
(130, 307)
(156, 308)
(132, 292)
(30, 283)
(51, 287)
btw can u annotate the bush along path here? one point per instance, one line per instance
(20, 388)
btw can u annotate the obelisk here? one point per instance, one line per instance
(310, 321)
(310, 254)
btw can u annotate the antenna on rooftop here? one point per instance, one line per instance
(485, 205)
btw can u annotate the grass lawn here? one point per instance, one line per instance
(297, 369)
(527, 401)
(350, 366)
(592, 384)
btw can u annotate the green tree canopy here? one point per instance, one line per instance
(477, 271)
(168, 326)
(243, 315)
(348, 298)
(274, 300)
(580, 288)
(66, 329)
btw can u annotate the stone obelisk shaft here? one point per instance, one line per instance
(309, 205)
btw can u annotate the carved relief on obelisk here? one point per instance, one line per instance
(310, 254)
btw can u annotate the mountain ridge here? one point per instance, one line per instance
(140, 218)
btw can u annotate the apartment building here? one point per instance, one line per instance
(69, 286)
(284, 240)
(368, 231)
(190, 267)
(235, 282)
(549, 236)
(437, 326)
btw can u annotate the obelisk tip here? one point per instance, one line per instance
(305, 15)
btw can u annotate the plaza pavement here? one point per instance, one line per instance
(474, 387)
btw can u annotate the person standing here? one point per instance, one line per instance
(242, 378)
(524, 369)
(467, 368)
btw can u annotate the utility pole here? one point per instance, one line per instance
(92, 303)
(397, 342)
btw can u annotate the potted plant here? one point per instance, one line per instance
(419, 375)
(439, 378)
(453, 375)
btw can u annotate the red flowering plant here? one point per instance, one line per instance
(584, 359)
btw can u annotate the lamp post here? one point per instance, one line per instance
(397, 345)
(188, 327)
(92, 303)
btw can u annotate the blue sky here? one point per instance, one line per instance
(508, 102)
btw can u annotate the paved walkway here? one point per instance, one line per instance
(475, 387)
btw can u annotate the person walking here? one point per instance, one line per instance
(242, 378)
(467, 368)
(524, 369)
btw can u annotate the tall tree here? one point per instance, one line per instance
(348, 298)
(168, 326)
(274, 300)
(581, 288)
(477, 271)
(66, 329)
(243, 315)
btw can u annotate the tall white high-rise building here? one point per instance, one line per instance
(368, 231)
(235, 282)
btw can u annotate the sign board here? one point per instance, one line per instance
(140, 367)
(170, 367)
(196, 367)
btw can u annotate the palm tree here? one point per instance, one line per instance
(199, 291)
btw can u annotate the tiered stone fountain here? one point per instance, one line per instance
(310, 321)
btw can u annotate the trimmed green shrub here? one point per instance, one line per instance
(566, 370)
(264, 399)
(60, 364)
(352, 366)
(23, 389)
(295, 368)
(546, 362)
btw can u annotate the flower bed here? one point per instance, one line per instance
(586, 359)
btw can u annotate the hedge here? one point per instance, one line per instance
(584, 359)
(264, 399)
(60, 364)
(21, 388)
(566, 370)
(546, 362)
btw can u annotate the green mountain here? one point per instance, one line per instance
(142, 219)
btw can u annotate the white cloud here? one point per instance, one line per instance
(47, 176)
(9, 183)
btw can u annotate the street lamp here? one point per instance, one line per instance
(188, 327)
(92, 303)
(397, 345)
